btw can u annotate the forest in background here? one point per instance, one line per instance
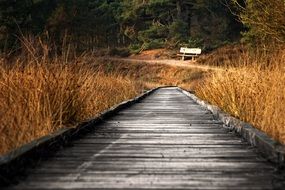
(141, 24)
(135, 24)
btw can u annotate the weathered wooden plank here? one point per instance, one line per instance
(41, 172)
(166, 122)
(160, 146)
(155, 130)
(162, 130)
(64, 159)
(165, 163)
(160, 141)
(147, 183)
(258, 180)
(163, 135)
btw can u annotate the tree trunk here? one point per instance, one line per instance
(184, 12)
(179, 9)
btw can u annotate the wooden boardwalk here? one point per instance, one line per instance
(166, 141)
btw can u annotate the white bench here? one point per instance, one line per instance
(189, 52)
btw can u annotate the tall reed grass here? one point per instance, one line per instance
(38, 99)
(254, 91)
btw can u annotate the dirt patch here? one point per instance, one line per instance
(155, 54)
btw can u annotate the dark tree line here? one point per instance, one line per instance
(137, 24)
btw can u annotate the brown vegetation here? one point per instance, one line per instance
(254, 91)
(36, 100)
(152, 75)
(225, 56)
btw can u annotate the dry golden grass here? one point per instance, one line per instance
(36, 100)
(253, 92)
(229, 55)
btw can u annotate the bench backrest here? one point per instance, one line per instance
(190, 50)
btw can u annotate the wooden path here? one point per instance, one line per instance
(166, 141)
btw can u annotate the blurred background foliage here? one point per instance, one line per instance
(141, 24)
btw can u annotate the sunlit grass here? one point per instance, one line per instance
(253, 92)
(36, 100)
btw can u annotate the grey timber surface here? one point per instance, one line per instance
(166, 141)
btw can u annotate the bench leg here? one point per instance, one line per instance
(182, 58)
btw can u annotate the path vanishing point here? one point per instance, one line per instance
(165, 141)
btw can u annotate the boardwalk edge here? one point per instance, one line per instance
(268, 147)
(17, 160)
